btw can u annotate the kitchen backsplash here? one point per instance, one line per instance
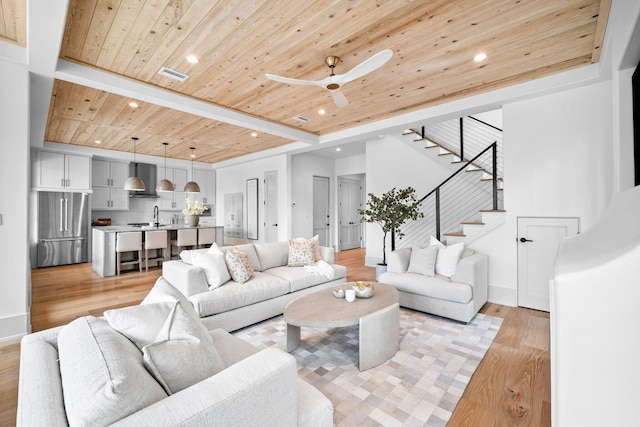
(140, 210)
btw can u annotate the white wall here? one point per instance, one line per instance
(233, 179)
(392, 163)
(303, 168)
(14, 202)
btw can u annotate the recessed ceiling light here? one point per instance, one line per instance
(133, 104)
(480, 57)
(98, 142)
(254, 134)
(338, 149)
(193, 156)
(192, 59)
(321, 111)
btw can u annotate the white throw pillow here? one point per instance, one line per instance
(398, 260)
(182, 354)
(214, 267)
(140, 323)
(423, 260)
(448, 257)
(163, 291)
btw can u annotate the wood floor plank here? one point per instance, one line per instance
(515, 368)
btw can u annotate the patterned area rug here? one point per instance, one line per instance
(420, 386)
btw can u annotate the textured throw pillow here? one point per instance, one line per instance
(315, 245)
(163, 291)
(182, 353)
(423, 260)
(239, 265)
(214, 266)
(448, 257)
(140, 323)
(398, 260)
(300, 253)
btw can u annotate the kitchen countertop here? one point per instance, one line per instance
(125, 228)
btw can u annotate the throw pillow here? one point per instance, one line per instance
(300, 253)
(140, 323)
(398, 260)
(239, 265)
(182, 354)
(163, 291)
(423, 260)
(315, 242)
(448, 257)
(214, 266)
(214, 249)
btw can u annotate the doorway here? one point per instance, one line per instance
(321, 216)
(538, 243)
(271, 206)
(350, 200)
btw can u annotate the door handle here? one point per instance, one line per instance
(523, 240)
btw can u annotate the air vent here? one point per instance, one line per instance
(111, 127)
(302, 119)
(167, 72)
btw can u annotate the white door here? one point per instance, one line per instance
(538, 243)
(321, 223)
(350, 225)
(271, 206)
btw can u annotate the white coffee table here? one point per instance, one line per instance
(378, 318)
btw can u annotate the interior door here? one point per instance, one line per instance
(271, 206)
(350, 200)
(538, 243)
(321, 223)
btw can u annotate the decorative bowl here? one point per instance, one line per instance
(338, 293)
(363, 290)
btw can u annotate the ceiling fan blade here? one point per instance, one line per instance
(369, 65)
(339, 98)
(293, 81)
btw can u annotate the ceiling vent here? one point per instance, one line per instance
(172, 74)
(111, 127)
(302, 119)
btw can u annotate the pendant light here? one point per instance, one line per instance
(192, 186)
(164, 185)
(134, 183)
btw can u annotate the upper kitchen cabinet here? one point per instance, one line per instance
(173, 201)
(206, 180)
(108, 185)
(59, 171)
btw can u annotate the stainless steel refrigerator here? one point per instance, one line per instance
(63, 228)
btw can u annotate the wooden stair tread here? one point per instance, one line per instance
(472, 222)
(492, 210)
(445, 154)
(456, 234)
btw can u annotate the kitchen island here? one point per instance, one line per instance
(103, 260)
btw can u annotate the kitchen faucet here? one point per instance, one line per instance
(156, 216)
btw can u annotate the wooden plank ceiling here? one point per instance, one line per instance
(238, 41)
(13, 21)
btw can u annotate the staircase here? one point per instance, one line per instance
(469, 203)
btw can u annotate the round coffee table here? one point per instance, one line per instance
(378, 318)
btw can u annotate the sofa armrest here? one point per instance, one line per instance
(261, 390)
(473, 271)
(328, 254)
(188, 279)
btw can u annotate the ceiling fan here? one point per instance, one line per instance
(334, 82)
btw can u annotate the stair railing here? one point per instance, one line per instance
(464, 196)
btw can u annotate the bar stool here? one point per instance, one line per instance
(186, 237)
(206, 236)
(128, 242)
(154, 240)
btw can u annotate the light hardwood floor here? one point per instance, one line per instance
(511, 387)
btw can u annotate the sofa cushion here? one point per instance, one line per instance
(272, 254)
(439, 287)
(239, 265)
(214, 266)
(182, 353)
(300, 278)
(187, 255)
(423, 260)
(398, 260)
(103, 375)
(163, 291)
(260, 287)
(300, 253)
(140, 323)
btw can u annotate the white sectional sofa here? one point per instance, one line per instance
(232, 305)
(87, 373)
(457, 294)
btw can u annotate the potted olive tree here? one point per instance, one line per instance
(390, 211)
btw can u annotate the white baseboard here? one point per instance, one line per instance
(503, 296)
(14, 327)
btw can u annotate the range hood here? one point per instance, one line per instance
(146, 172)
